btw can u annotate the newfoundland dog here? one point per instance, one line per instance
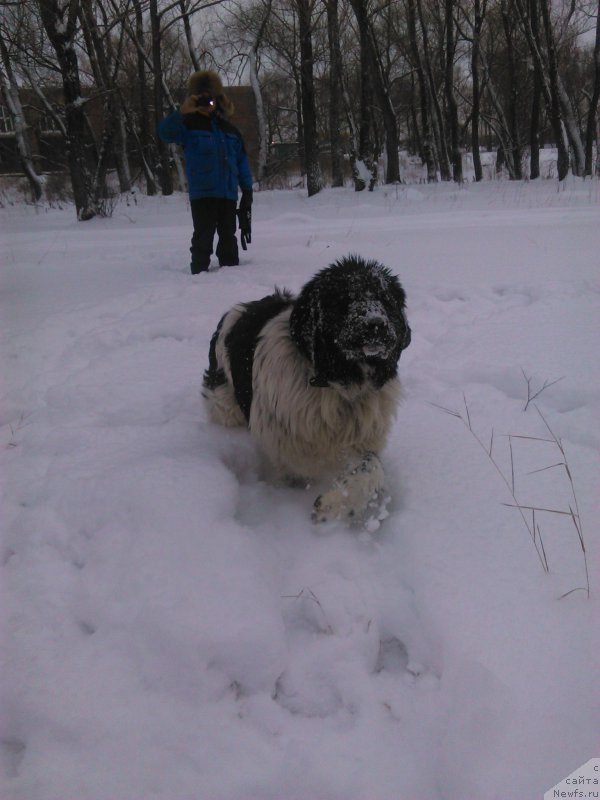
(314, 377)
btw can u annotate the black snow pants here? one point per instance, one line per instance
(213, 215)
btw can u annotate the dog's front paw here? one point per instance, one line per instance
(331, 506)
(358, 496)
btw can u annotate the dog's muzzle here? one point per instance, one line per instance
(375, 338)
(368, 332)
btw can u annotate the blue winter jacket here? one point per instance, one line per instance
(216, 162)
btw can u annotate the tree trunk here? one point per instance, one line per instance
(382, 93)
(476, 114)
(258, 98)
(335, 101)
(555, 104)
(427, 140)
(438, 125)
(300, 123)
(365, 174)
(536, 103)
(534, 129)
(572, 129)
(104, 62)
(166, 179)
(314, 179)
(501, 128)
(549, 77)
(513, 130)
(450, 95)
(10, 93)
(60, 25)
(591, 126)
(189, 36)
(121, 154)
(146, 150)
(260, 114)
(354, 135)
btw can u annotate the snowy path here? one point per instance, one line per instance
(178, 628)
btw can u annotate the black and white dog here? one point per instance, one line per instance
(314, 377)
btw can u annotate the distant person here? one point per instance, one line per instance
(216, 164)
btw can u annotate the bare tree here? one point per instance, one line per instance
(381, 85)
(256, 89)
(449, 8)
(314, 178)
(437, 119)
(186, 14)
(145, 140)
(60, 23)
(10, 94)
(478, 18)
(592, 127)
(366, 164)
(335, 92)
(375, 76)
(536, 102)
(427, 138)
(105, 64)
(166, 180)
(547, 65)
(508, 25)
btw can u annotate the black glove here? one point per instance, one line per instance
(244, 215)
(246, 201)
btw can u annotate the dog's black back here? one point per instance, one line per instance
(241, 343)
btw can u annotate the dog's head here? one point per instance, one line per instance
(349, 321)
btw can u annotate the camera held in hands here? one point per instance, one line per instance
(206, 101)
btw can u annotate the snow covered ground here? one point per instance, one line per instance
(176, 628)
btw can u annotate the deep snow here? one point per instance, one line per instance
(175, 626)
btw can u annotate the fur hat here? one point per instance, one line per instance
(208, 82)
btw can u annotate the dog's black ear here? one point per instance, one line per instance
(313, 332)
(304, 320)
(307, 333)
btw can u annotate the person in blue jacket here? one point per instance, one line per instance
(216, 165)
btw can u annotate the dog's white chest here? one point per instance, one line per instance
(310, 431)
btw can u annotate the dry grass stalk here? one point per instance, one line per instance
(533, 527)
(534, 534)
(545, 385)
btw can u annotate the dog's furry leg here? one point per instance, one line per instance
(222, 406)
(358, 495)
(217, 386)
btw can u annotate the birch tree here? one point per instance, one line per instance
(10, 95)
(253, 56)
(450, 91)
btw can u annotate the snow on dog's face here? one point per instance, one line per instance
(349, 321)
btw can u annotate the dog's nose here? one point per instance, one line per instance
(374, 323)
